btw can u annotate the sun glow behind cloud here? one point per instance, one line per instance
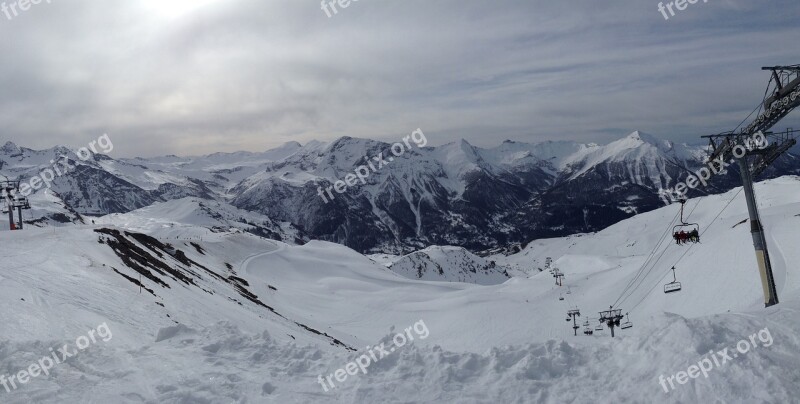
(176, 76)
(175, 8)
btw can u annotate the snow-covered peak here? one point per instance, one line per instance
(639, 139)
(550, 155)
(642, 154)
(351, 146)
(459, 158)
(10, 148)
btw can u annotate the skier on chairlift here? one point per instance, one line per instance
(683, 237)
(694, 236)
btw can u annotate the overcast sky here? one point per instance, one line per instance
(192, 77)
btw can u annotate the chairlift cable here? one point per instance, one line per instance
(653, 266)
(649, 257)
(687, 250)
(641, 271)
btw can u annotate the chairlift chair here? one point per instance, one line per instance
(627, 324)
(22, 202)
(599, 327)
(687, 228)
(673, 286)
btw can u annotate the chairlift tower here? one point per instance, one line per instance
(612, 318)
(574, 314)
(13, 200)
(21, 203)
(783, 96)
(8, 189)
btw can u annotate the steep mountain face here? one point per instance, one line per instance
(96, 185)
(455, 194)
(425, 196)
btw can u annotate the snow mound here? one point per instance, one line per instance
(221, 363)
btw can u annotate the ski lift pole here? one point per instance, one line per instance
(759, 240)
(10, 207)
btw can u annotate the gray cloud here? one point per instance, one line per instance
(252, 74)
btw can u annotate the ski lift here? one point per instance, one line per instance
(569, 291)
(686, 232)
(599, 327)
(673, 286)
(588, 328)
(627, 324)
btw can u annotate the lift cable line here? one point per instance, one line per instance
(644, 271)
(781, 98)
(649, 257)
(644, 277)
(685, 252)
(653, 266)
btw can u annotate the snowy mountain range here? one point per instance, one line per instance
(455, 194)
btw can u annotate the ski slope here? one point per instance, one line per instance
(505, 342)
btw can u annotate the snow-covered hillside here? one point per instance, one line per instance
(192, 217)
(233, 317)
(453, 264)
